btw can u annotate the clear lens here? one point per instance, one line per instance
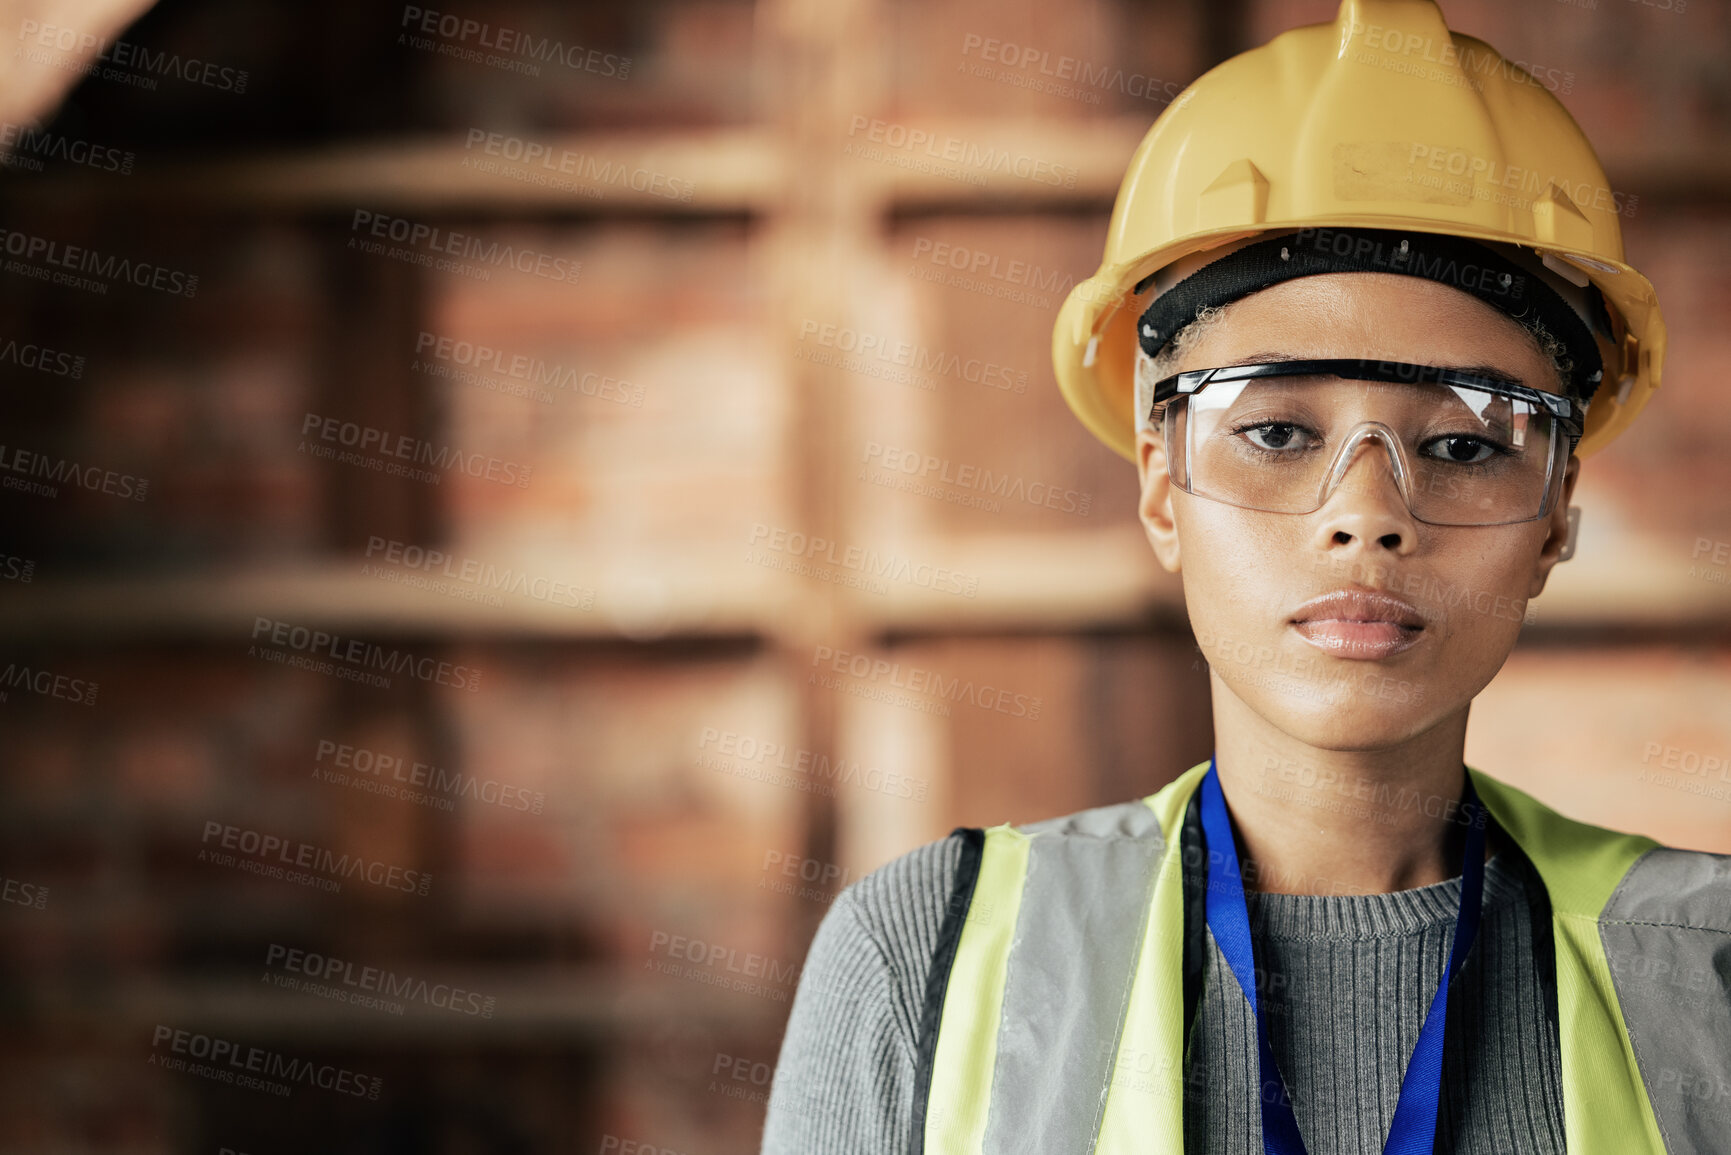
(1465, 456)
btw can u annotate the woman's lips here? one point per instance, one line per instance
(1360, 640)
(1359, 624)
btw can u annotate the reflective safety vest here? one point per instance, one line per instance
(1054, 1014)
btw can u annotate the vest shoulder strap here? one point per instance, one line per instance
(1581, 864)
(938, 978)
(1643, 949)
(1015, 1003)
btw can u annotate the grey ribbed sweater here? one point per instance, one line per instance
(1348, 980)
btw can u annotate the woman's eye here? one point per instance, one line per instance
(1461, 450)
(1276, 435)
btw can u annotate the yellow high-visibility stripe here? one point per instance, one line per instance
(1605, 1102)
(1144, 1110)
(967, 1046)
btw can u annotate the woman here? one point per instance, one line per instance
(1357, 404)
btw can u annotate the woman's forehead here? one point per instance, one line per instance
(1384, 316)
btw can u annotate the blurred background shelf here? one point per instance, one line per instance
(688, 731)
(1104, 580)
(573, 1004)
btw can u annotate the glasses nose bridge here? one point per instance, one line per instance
(1347, 455)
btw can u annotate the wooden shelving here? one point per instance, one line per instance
(1099, 580)
(582, 1004)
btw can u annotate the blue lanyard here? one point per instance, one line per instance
(1414, 1127)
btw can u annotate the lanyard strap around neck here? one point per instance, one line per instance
(1414, 1126)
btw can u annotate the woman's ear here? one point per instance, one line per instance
(1557, 523)
(1155, 505)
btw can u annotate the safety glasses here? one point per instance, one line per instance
(1464, 448)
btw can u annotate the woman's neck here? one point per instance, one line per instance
(1310, 820)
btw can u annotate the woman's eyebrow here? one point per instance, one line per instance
(1491, 371)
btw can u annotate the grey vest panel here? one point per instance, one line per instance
(1667, 935)
(1084, 912)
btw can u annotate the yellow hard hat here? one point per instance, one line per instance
(1383, 119)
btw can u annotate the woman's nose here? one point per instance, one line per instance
(1366, 504)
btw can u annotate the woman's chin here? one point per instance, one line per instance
(1347, 717)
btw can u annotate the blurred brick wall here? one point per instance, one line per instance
(665, 770)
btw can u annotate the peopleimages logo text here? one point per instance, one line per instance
(26, 146)
(969, 154)
(868, 562)
(28, 355)
(378, 765)
(920, 358)
(585, 168)
(55, 471)
(106, 266)
(433, 240)
(279, 851)
(514, 42)
(364, 439)
(234, 1057)
(127, 54)
(523, 367)
(369, 655)
(480, 573)
(48, 684)
(1405, 259)
(924, 681)
(378, 981)
(1088, 78)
